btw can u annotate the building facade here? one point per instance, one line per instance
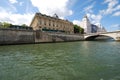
(91, 28)
(86, 25)
(51, 24)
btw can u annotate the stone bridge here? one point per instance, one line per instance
(115, 35)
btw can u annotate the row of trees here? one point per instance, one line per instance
(5, 25)
(78, 29)
(8, 25)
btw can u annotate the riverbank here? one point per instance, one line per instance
(13, 36)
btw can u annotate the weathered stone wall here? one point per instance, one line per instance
(9, 36)
(42, 37)
(56, 37)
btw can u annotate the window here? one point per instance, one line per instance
(45, 23)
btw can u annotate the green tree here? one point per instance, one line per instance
(1, 24)
(78, 29)
(81, 30)
(6, 25)
(24, 25)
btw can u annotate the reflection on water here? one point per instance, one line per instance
(85, 60)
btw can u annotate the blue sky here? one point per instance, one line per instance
(104, 12)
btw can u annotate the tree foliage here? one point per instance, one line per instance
(24, 25)
(78, 29)
(9, 25)
(81, 30)
(5, 25)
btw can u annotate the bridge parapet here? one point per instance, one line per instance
(115, 35)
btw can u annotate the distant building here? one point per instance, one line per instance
(94, 28)
(100, 28)
(20, 27)
(91, 28)
(51, 24)
(86, 25)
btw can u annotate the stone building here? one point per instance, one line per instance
(51, 24)
(86, 25)
(91, 28)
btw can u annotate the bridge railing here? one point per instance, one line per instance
(92, 34)
(101, 33)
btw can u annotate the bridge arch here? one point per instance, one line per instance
(93, 37)
(104, 36)
(114, 35)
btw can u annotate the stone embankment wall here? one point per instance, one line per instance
(56, 37)
(11, 36)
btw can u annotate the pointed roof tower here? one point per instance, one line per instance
(85, 23)
(86, 18)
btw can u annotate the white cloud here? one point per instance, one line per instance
(116, 13)
(22, 19)
(13, 1)
(50, 7)
(76, 22)
(15, 18)
(112, 5)
(85, 3)
(116, 25)
(112, 8)
(117, 8)
(21, 3)
(94, 18)
(89, 8)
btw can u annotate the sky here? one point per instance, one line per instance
(104, 12)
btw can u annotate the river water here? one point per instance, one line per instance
(85, 60)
